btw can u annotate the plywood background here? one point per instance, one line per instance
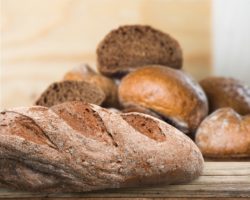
(42, 39)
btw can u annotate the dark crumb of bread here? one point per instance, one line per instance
(145, 125)
(64, 91)
(130, 47)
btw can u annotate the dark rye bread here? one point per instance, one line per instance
(78, 147)
(129, 47)
(60, 92)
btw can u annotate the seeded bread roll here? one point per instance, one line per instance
(224, 134)
(227, 92)
(170, 93)
(64, 91)
(130, 47)
(78, 147)
(107, 85)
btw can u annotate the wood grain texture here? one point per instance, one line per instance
(42, 39)
(219, 179)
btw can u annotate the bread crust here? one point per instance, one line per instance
(66, 157)
(224, 134)
(169, 92)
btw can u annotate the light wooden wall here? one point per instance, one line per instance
(231, 41)
(41, 39)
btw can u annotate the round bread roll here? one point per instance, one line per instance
(227, 92)
(130, 47)
(224, 134)
(107, 85)
(170, 93)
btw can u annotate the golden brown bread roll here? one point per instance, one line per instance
(170, 93)
(224, 133)
(227, 92)
(107, 85)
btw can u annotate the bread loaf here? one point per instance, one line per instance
(130, 47)
(76, 147)
(224, 134)
(107, 85)
(171, 93)
(227, 92)
(60, 92)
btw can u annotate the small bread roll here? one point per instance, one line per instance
(168, 92)
(224, 134)
(129, 47)
(227, 92)
(107, 85)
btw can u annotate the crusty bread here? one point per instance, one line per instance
(107, 85)
(170, 93)
(76, 147)
(130, 47)
(140, 109)
(224, 134)
(64, 91)
(227, 92)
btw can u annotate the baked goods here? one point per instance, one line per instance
(75, 147)
(64, 91)
(107, 85)
(227, 92)
(224, 134)
(168, 92)
(140, 109)
(130, 47)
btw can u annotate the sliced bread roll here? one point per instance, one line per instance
(129, 47)
(60, 92)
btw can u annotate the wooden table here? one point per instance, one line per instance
(222, 180)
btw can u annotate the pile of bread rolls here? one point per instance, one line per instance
(140, 70)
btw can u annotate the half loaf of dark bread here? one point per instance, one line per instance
(129, 47)
(60, 92)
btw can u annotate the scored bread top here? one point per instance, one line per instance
(129, 47)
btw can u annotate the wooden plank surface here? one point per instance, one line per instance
(42, 39)
(219, 179)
